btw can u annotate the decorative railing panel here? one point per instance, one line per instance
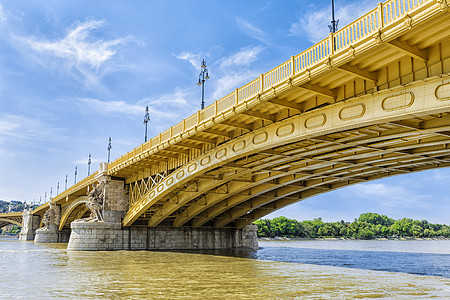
(249, 90)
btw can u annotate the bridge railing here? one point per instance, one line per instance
(393, 9)
(357, 30)
(384, 14)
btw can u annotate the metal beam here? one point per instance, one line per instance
(237, 125)
(287, 104)
(318, 90)
(219, 133)
(263, 116)
(359, 72)
(408, 50)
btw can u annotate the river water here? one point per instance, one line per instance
(278, 270)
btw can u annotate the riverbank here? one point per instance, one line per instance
(354, 239)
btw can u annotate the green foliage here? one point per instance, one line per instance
(367, 226)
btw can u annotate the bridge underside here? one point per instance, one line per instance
(252, 186)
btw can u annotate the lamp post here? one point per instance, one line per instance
(76, 172)
(65, 186)
(334, 23)
(109, 148)
(57, 189)
(146, 119)
(51, 189)
(89, 165)
(202, 77)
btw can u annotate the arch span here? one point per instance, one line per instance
(71, 208)
(403, 129)
(5, 221)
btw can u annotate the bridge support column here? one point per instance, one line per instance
(29, 225)
(111, 236)
(49, 233)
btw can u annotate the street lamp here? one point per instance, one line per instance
(109, 148)
(201, 81)
(89, 165)
(146, 119)
(334, 24)
(57, 189)
(65, 186)
(76, 172)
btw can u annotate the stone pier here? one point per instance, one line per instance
(49, 233)
(29, 225)
(111, 236)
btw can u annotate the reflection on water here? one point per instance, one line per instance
(49, 271)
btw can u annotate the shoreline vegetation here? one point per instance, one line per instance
(406, 238)
(368, 226)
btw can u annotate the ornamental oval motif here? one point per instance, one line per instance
(180, 174)
(221, 153)
(205, 160)
(239, 146)
(285, 130)
(316, 121)
(352, 112)
(260, 138)
(160, 188)
(152, 194)
(442, 91)
(399, 101)
(169, 181)
(192, 167)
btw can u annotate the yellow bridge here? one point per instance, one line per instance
(369, 101)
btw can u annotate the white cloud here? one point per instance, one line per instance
(441, 176)
(394, 196)
(235, 71)
(177, 98)
(313, 23)
(2, 14)
(22, 130)
(168, 107)
(252, 31)
(81, 53)
(243, 58)
(96, 106)
(78, 48)
(230, 81)
(194, 59)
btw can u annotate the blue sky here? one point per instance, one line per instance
(74, 73)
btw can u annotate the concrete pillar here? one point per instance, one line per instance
(29, 225)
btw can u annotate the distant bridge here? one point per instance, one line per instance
(369, 101)
(14, 218)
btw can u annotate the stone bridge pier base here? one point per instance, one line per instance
(49, 233)
(111, 236)
(29, 225)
